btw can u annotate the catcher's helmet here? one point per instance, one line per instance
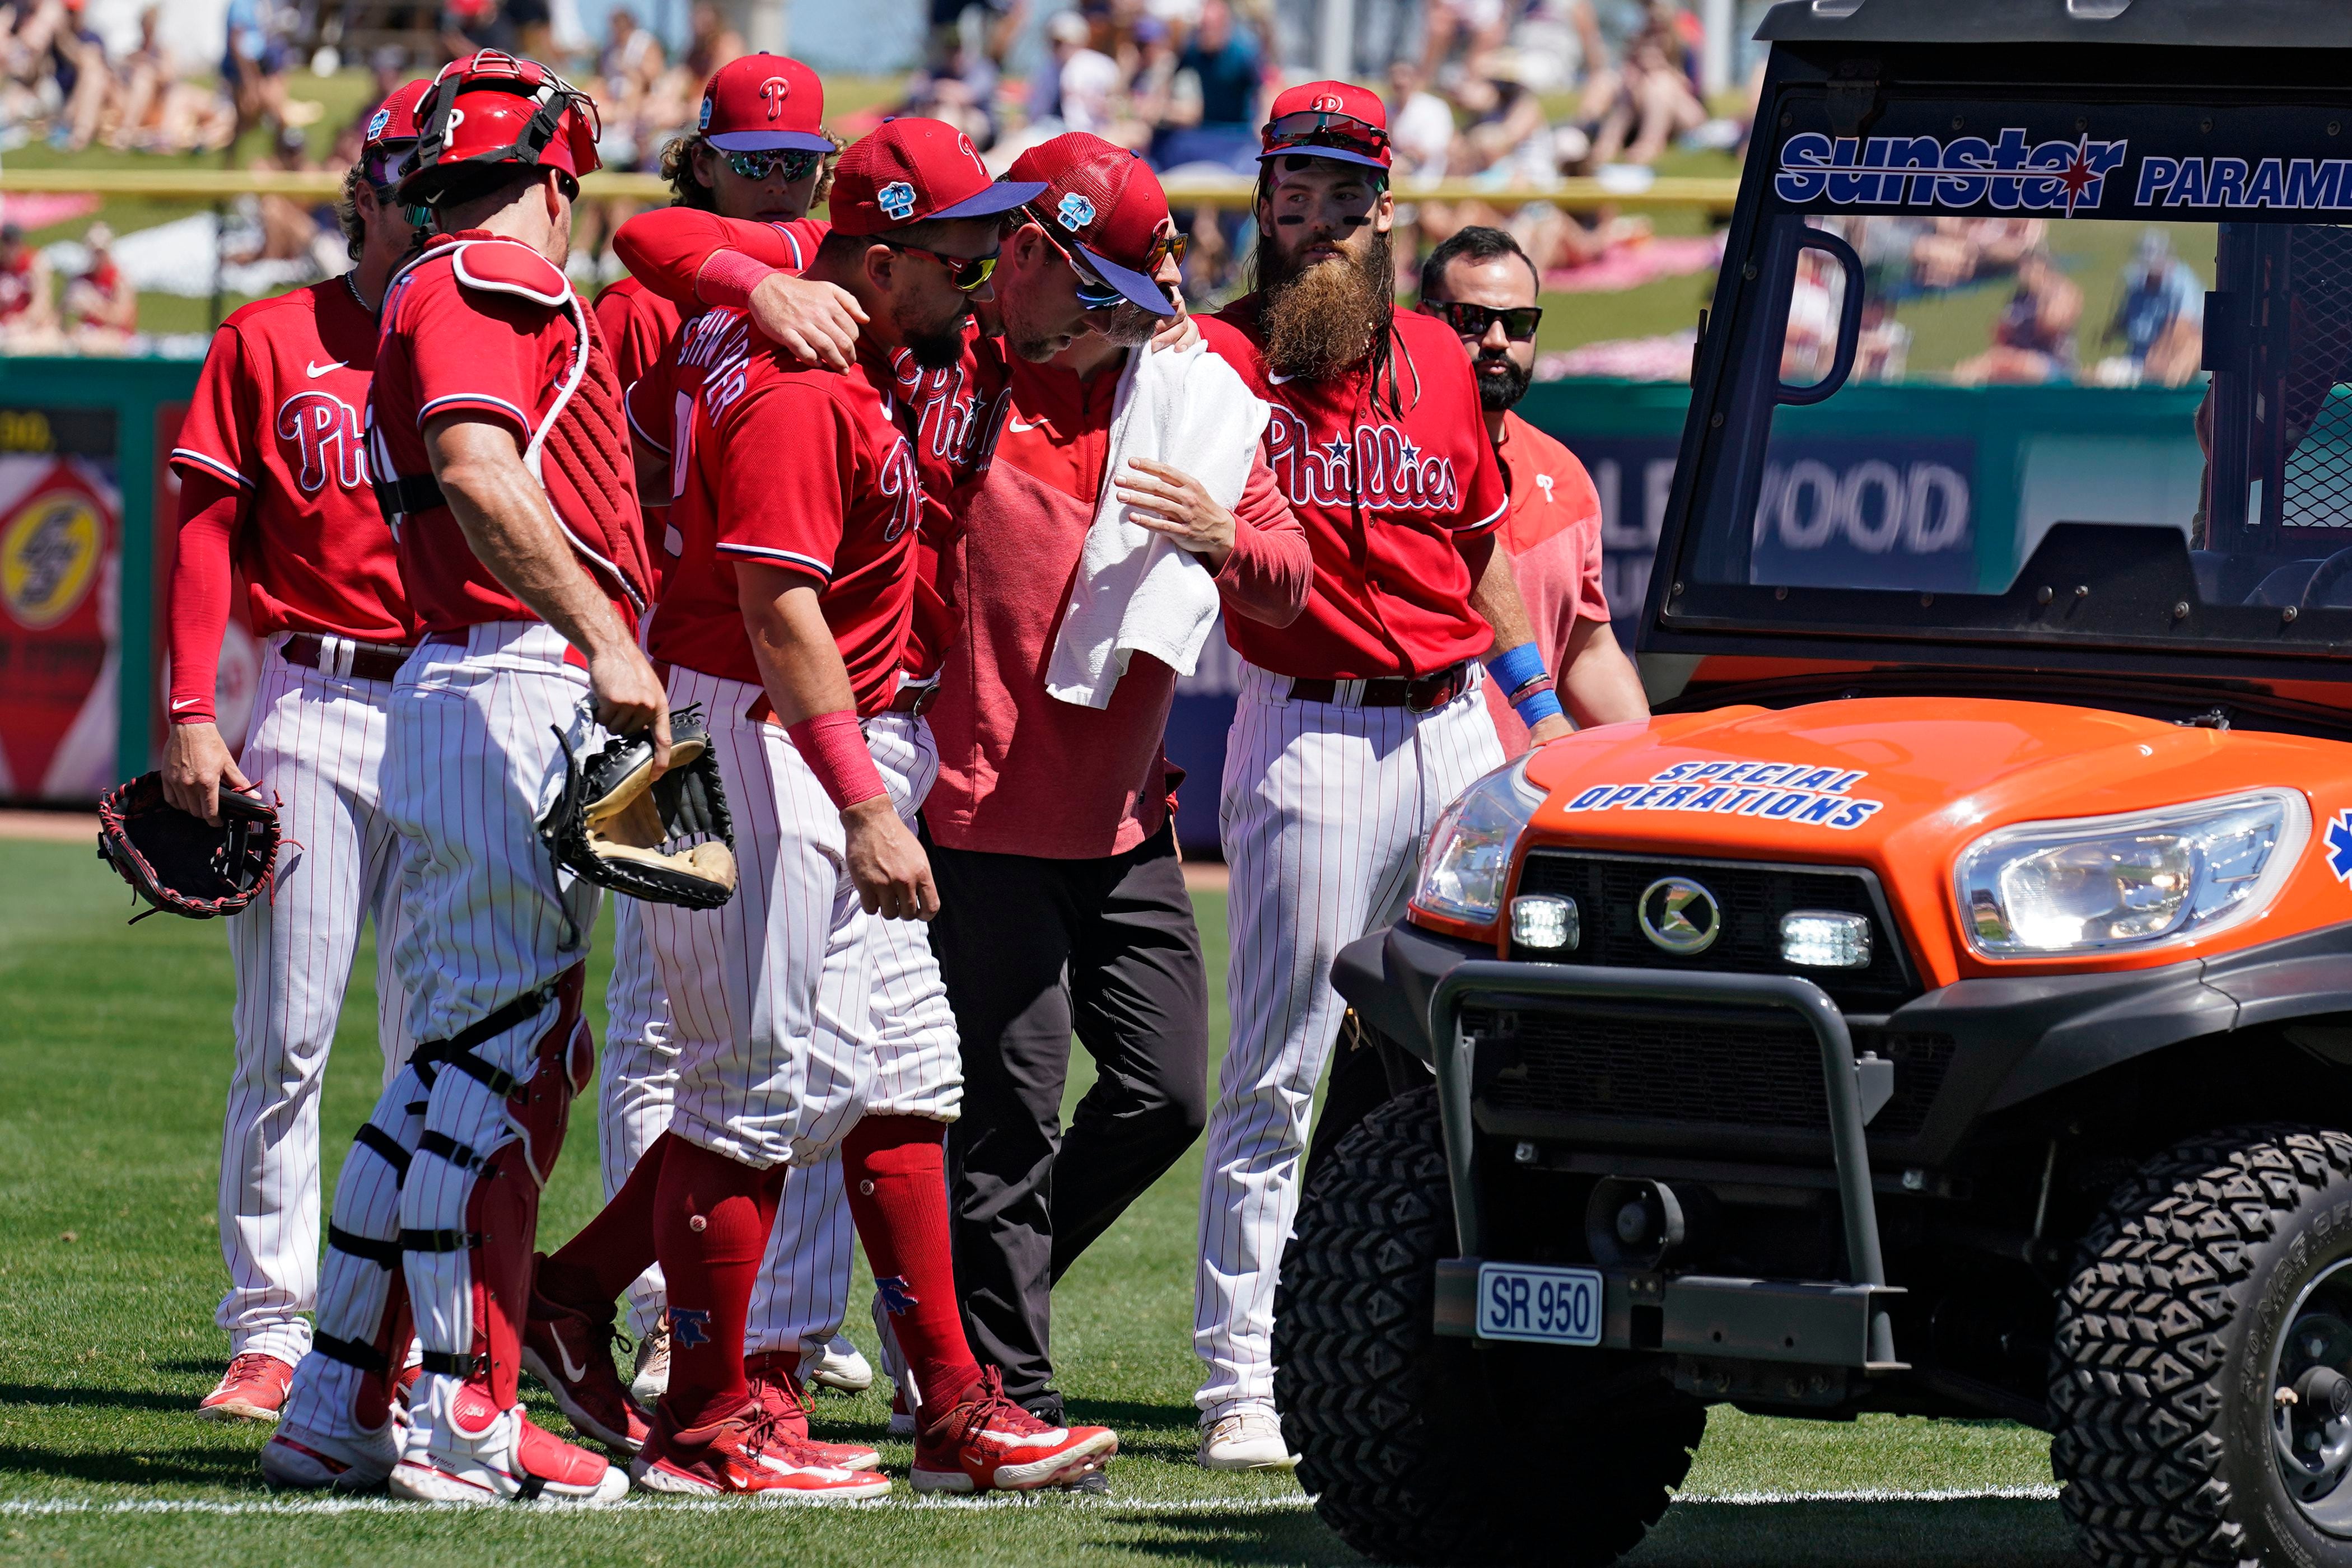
(492, 108)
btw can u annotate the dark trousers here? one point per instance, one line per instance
(1032, 950)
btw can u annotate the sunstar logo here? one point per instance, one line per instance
(2007, 174)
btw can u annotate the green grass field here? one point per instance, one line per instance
(114, 1052)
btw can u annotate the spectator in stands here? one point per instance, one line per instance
(1000, 25)
(155, 111)
(467, 25)
(1215, 111)
(1637, 110)
(101, 308)
(253, 68)
(1479, 26)
(960, 88)
(1421, 126)
(2160, 317)
(2033, 341)
(1093, 88)
(28, 316)
(714, 44)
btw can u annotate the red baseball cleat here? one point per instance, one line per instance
(474, 1453)
(986, 1443)
(776, 1390)
(744, 1455)
(252, 1389)
(570, 1350)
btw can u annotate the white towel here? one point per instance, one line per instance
(1137, 591)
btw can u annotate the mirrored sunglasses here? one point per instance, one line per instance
(1473, 320)
(966, 272)
(1316, 128)
(791, 162)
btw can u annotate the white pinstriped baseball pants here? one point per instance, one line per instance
(1323, 811)
(773, 998)
(317, 748)
(473, 757)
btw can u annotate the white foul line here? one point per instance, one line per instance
(32, 1507)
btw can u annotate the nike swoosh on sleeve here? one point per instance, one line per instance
(315, 371)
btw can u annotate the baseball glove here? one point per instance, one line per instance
(667, 840)
(182, 864)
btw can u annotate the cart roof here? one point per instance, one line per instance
(2198, 24)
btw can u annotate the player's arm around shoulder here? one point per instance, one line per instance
(700, 259)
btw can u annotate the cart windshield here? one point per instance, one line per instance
(2039, 374)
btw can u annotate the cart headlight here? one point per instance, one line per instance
(1469, 854)
(2120, 881)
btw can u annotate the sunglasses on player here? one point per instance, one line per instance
(1094, 294)
(790, 164)
(966, 272)
(1472, 321)
(1316, 128)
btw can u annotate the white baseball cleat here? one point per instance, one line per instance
(470, 1452)
(1246, 1439)
(652, 1378)
(836, 1364)
(299, 1460)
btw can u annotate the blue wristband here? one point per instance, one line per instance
(1515, 666)
(1533, 710)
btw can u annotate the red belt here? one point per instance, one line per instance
(1422, 693)
(456, 637)
(368, 660)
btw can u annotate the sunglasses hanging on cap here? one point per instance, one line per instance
(790, 164)
(966, 272)
(1472, 321)
(1319, 128)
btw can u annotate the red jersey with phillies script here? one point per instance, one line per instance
(801, 469)
(277, 411)
(641, 326)
(487, 328)
(1392, 488)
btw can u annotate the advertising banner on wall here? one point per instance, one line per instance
(61, 582)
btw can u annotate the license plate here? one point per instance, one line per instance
(1547, 1306)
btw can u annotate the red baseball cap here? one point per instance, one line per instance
(760, 103)
(915, 171)
(1337, 121)
(1105, 203)
(394, 120)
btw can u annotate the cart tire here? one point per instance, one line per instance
(2163, 1372)
(1422, 1449)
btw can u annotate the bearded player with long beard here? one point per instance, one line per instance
(1359, 721)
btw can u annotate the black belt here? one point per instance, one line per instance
(370, 661)
(1420, 693)
(915, 700)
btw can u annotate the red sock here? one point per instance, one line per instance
(711, 1219)
(894, 1169)
(595, 1266)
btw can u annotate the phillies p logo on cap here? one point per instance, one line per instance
(896, 200)
(772, 92)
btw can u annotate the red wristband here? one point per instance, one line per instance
(835, 749)
(728, 278)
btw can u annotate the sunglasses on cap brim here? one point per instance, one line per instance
(1318, 128)
(1094, 292)
(1473, 322)
(966, 272)
(789, 164)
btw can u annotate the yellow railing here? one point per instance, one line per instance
(1711, 195)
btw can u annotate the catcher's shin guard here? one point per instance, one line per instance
(471, 1216)
(362, 1333)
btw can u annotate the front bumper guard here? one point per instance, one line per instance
(1704, 1306)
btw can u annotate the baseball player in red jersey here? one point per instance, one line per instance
(274, 484)
(759, 154)
(1480, 283)
(498, 456)
(1359, 721)
(788, 657)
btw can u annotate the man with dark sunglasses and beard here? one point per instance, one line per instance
(1480, 283)
(1361, 720)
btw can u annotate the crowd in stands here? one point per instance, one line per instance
(1509, 96)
